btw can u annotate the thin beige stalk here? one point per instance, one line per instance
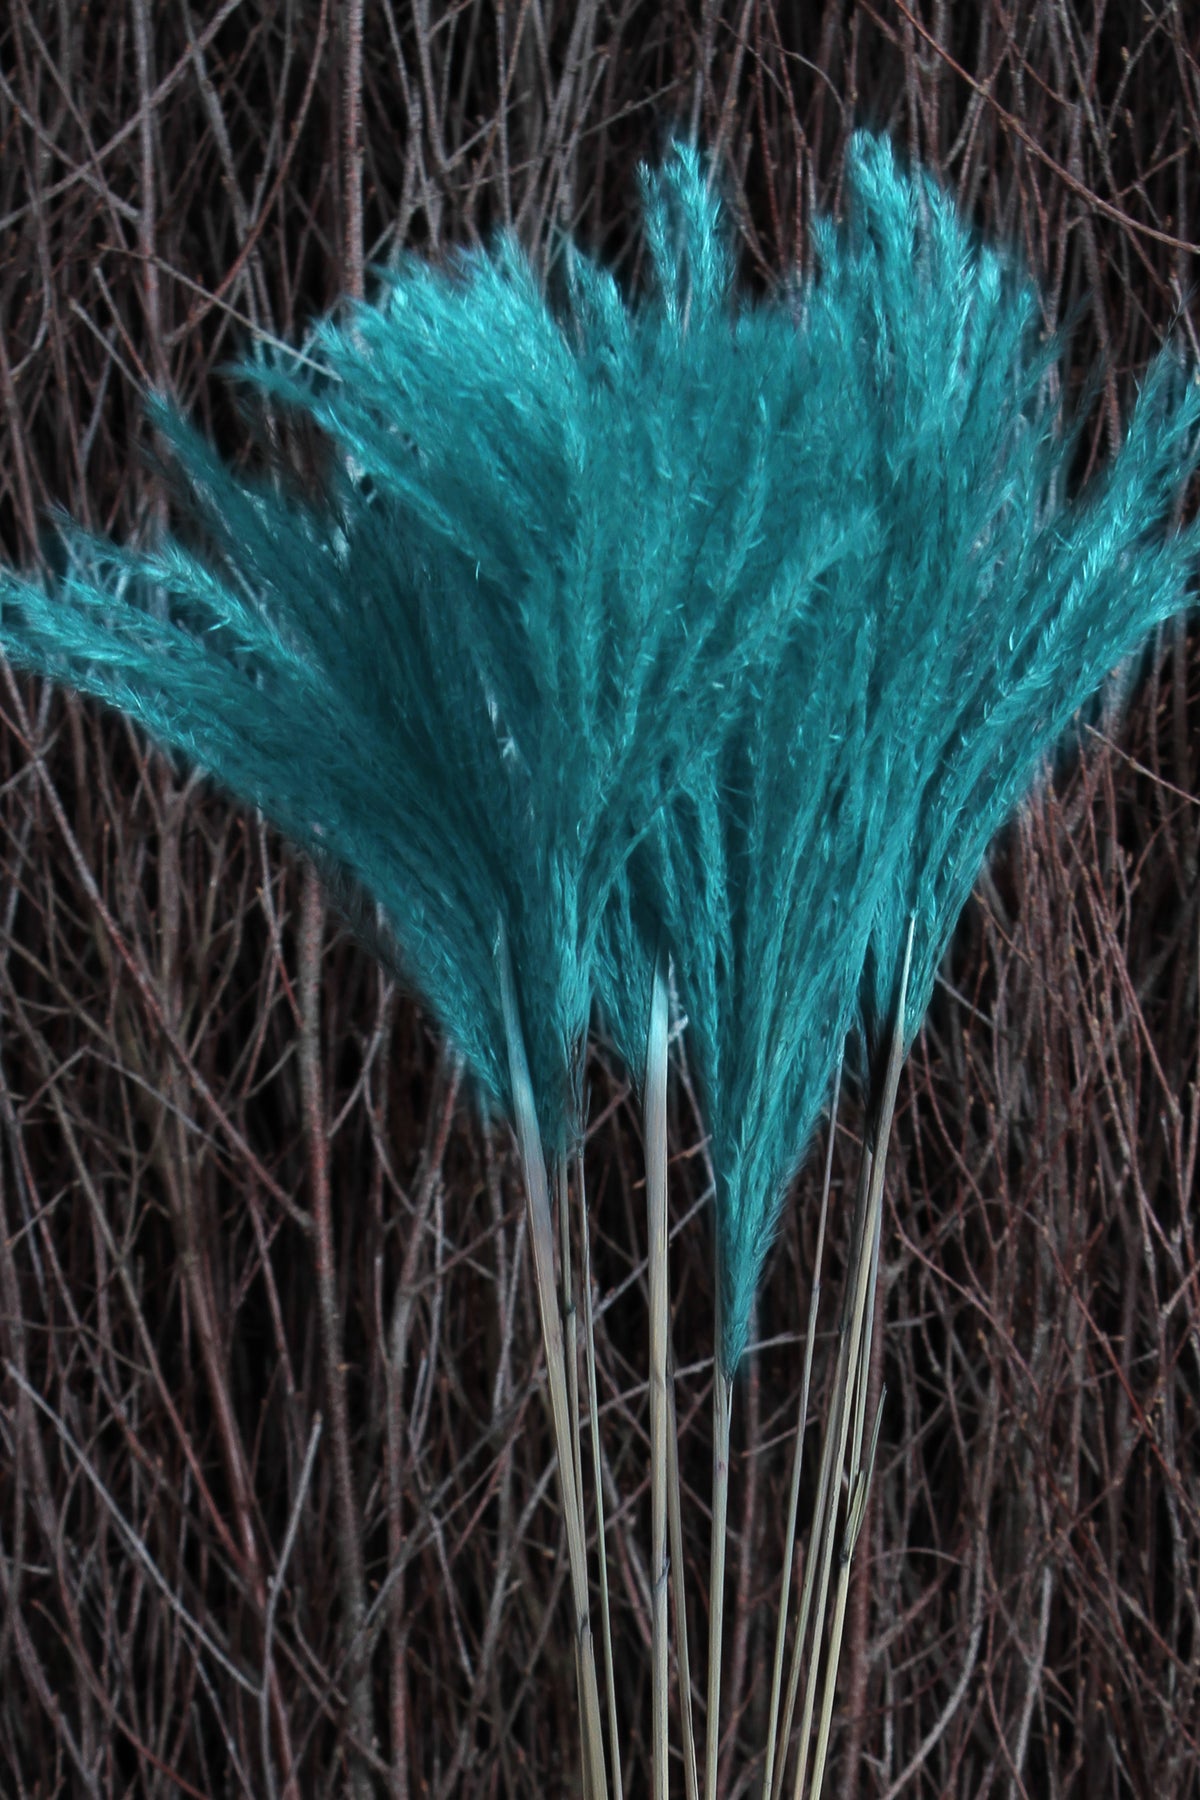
(837, 1438)
(570, 1319)
(819, 1523)
(850, 1368)
(789, 1541)
(860, 1476)
(862, 1377)
(656, 1211)
(585, 1274)
(722, 1409)
(822, 1527)
(856, 1504)
(691, 1778)
(541, 1238)
(855, 1513)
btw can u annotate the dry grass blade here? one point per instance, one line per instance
(722, 1410)
(846, 1407)
(569, 1313)
(777, 1747)
(660, 1324)
(610, 1684)
(691, 1777)
(541, 1238)
(822, 1525)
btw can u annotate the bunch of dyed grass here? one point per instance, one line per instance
(813, 887)
(722, 634)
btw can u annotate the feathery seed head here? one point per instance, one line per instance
(937, 657)
(743, 627)
(466, 675)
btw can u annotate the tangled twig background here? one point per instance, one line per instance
(216, 1118)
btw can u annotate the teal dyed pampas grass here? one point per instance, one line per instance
(1000, 606)
(947, 649)
(469, 676)
(686, 634)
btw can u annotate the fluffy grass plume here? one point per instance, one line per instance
(943, 654)
(1001, 605)
(790, 596)
(466, 675)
